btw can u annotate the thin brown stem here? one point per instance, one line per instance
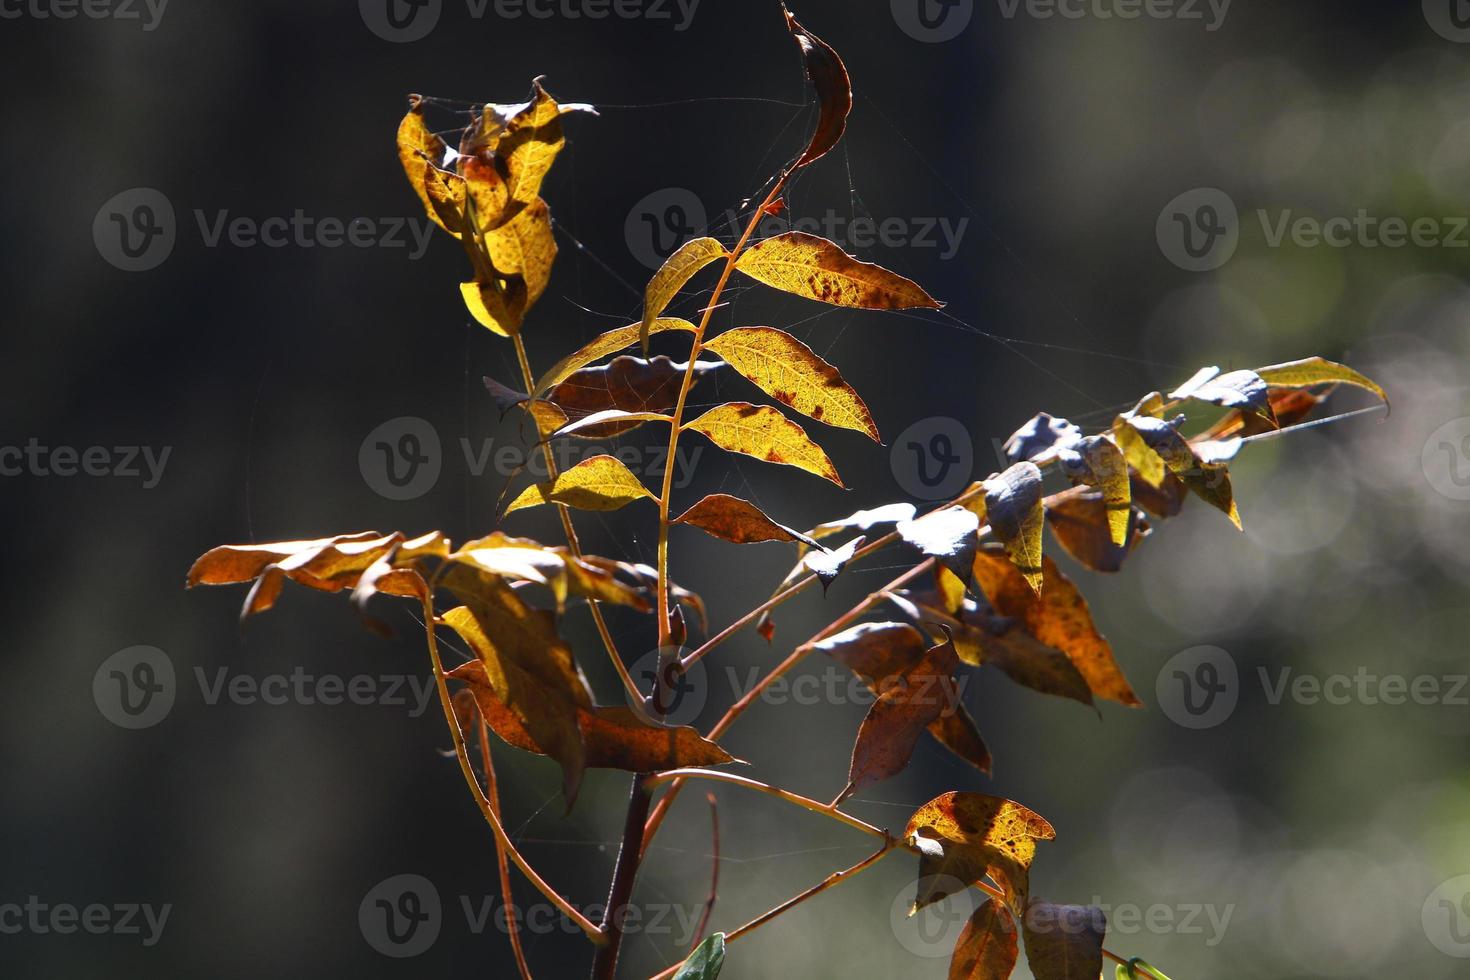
(461, 752)
(574, 543)
(832, 880)
(794, 798)
(714, 883)
(492, 793)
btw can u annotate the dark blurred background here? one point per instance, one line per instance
(1028, 169)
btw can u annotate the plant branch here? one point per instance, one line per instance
(804, 802)
(502, 839)
(605, 964)
(572, 541)
(492, 793)
(714, 884)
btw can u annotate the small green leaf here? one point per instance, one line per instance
(705, 962)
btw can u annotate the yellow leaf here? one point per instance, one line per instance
(787, 370)
(1013, 505)
(960, 833)
(1097, 462)
(532, 139)
(763, 432)
(1315, 371)
(809, 266)
(525, 246)
(600, 483)
(489, 308)
(1210, 481)
(673, 276)
(418, 150)
(602, 345)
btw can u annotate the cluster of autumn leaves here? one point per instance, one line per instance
(992, 598)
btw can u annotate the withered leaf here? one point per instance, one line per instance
(615, 738)
(960, 834)
(1059, 618)
(766, 434)
(909, 701)
(877, 652)
(602, 345)
(601, 483)
(813, 267)
(491, 308)
(531, 141)
(1236, 389)
(1064, 942)
(547, 712)
(1097, 462)
(418, 149)
(1013, 506)
(546, 416)
(1039, 438)
(626, 384)
(833, 87)
(1289, 406)
(555, 568)
(827, 565)
(673, 276)
(1208, 481)
(982, 638)
(525, 247)
(1082, 527)
(1163, 501)
(603, 420)
(738, 521)
(987, 947)
(1315, 371)
(787, 370)
(950, 535)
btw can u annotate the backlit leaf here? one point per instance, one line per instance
(1208, 481)
(600, 483)
(815, 268)
(1064, 942)
(738, 521)
(418, 149)
(987, 948)
(1236, 389)
(490, 308)
(673, 276)
(1097, 462)
(1059, 618)
(525, 246)
(763, 432)
(829, 79)
(602, 345)
(615, 738)
(1013, 507)
(1315, 371)
(973, 831)
(787, 370)
(1082, 526)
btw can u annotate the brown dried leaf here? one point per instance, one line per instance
(625, 384)
(829, 78)
(908, 703)
(1081, 526)
(1059, 618)
(602, 345)
(738, 521)
(987, 948)
(615, 738)
(1210, 481)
